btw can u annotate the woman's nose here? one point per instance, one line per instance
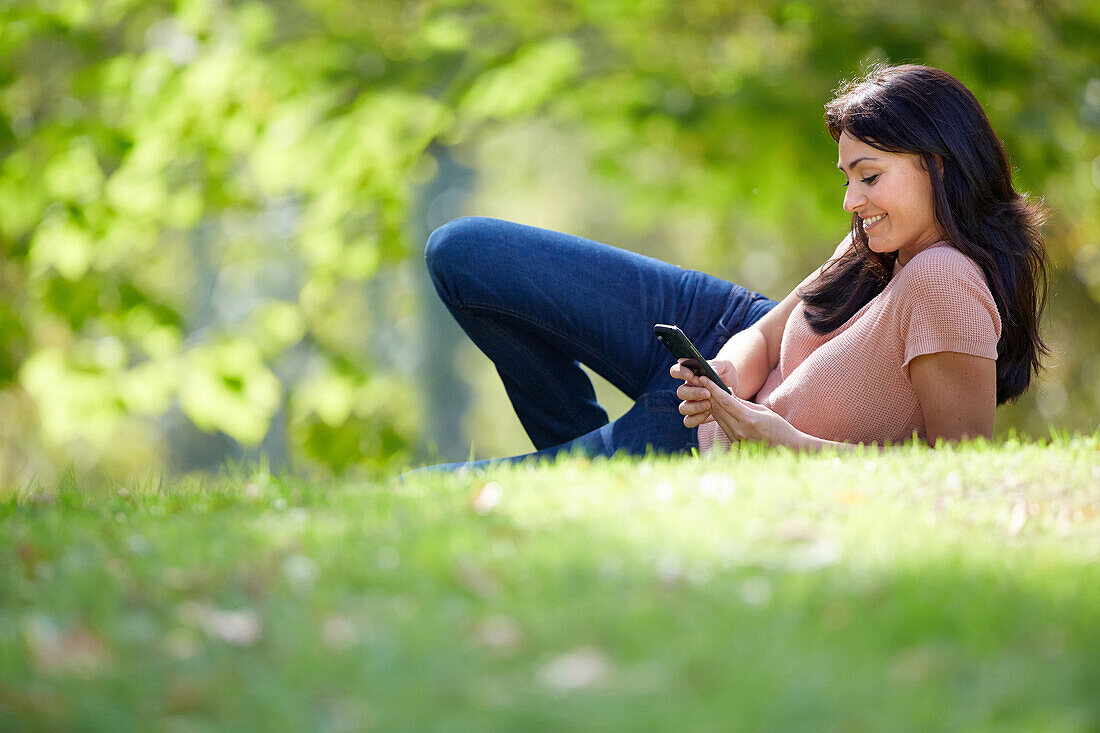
(853, 199)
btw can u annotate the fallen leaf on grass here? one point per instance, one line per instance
(1017, 518)
(917, 664)
(755, 591)
(670, 568)
(53, 651)
(184, 696)
(180, 644)
(487, 497)
(137, 544)
(30, 556)
(241, 628)
(850, 497)
(301, 572)
(44, 498)
(821, 553)
(498, 633)
(348, 712)
(189, 580)
(338, 632)
(576, 670)
(474, 579)
(718, 486)
(798, 530)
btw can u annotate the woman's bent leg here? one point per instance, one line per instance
(652, 425)
(539, 302)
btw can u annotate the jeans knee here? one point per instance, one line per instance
(451, 244)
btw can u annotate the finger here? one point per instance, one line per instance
(721, 400)
(691, 407)
(687, 392)
(682, 372)
(692, 421)
(714, 390)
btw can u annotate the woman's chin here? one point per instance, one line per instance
(876, 245)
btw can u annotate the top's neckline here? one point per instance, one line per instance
(898, 267)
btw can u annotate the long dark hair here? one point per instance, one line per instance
(927, 112)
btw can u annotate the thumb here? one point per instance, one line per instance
(715, 391)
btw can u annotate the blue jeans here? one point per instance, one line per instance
(539, 303)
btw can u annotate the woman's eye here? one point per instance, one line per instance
(868, 180)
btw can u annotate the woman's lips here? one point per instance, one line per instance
(872, 221)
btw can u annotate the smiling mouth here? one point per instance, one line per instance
(872, 221)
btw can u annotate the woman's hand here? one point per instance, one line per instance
(744, 420)
(696, 399)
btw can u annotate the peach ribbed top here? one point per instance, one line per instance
(852, 384)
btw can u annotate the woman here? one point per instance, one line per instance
(922, 322)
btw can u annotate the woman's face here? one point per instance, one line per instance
(892, 195)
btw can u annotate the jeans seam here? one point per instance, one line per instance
(527, 319)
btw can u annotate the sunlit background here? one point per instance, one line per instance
(212, 214)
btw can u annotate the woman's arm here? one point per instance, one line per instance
(750, 352)
(754, 352)
(957, 394)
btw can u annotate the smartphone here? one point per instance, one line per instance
(681, 347)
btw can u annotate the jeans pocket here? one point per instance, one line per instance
(737, 305)
(743, 308)
(660, 401)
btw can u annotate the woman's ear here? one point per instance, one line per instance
(921, 161)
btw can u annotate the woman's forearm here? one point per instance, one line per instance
(811, 444)
(748, 352)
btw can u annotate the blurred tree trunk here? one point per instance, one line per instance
(438, 202)
(189, 448)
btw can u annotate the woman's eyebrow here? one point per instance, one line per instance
(852, 165)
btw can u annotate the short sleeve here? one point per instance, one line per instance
(946, 305)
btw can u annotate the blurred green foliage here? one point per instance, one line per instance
(210, 208)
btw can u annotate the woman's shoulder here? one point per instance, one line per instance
(939, 266)
(941, 284)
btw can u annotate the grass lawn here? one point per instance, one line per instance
(956, 589)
